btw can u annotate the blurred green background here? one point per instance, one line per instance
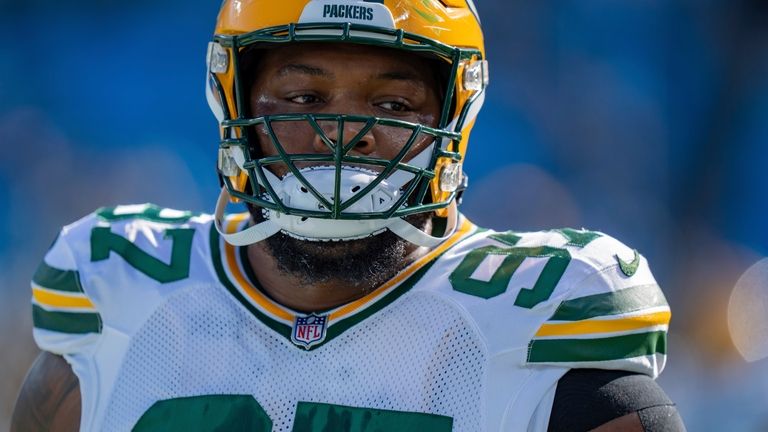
(644, 119)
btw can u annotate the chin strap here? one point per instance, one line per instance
(416, 236)
(250, 235)
(262, 230)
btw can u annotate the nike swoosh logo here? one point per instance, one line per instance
(629, 268)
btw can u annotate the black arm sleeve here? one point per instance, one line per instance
(587, 398)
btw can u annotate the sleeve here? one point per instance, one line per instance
(588, 398)
(65, 320)
(616, 317)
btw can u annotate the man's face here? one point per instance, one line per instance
(343, 79)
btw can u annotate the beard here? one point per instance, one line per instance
(366, 263)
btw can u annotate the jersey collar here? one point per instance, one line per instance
(237, 278)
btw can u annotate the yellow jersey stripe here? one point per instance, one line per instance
(603, 325)
(242, 281)
(49, 298)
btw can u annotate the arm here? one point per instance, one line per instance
(49, 399)
(607, 401)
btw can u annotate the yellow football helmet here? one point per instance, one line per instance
(447, 30)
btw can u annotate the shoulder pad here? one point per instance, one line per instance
(64, 318)
(77, 285)
(612, 314)
(567, 298)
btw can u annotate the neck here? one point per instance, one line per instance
(306, 295)
(309, 276)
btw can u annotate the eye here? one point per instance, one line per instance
(305, 99)
(395, 106)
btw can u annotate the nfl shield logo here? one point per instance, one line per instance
(309, 330)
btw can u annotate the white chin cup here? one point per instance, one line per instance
(294, 194)
(353, 179)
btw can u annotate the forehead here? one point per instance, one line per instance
(343, 59)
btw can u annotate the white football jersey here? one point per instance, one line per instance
(166, 328)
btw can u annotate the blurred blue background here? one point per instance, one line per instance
(644, 119)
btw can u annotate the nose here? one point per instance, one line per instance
(366, 144)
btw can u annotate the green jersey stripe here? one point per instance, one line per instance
(613, 303)
(58, 280)
(66, 322)
(594, 350)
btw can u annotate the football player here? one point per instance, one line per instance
(352, 296)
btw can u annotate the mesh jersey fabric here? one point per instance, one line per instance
(418, 355)
(479, 331)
